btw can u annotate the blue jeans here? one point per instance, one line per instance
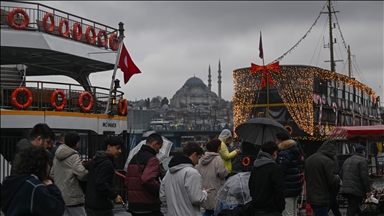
(209, 213)
(320, 210)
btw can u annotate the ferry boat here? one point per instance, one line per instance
(309, 101)
(38, 40)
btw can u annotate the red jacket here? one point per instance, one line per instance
(143, 184)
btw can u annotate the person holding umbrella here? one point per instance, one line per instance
(226, 138)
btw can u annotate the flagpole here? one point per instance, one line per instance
(267, 84)
(120, 40)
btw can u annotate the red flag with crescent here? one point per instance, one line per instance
(127, 65)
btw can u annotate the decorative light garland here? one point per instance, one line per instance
(294, 85)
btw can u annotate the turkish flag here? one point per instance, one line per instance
(126, 65)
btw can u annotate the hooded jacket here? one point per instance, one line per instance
(22, 144)
(143, 185)
(27, 195)
(100, 194)
(319, 174)
(66, 171)
(213, 172)
(181, 189)
(354, 174)
(266, 185)
(287, 160)
(226, 155)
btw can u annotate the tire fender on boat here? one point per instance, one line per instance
(52, 27)
(14, 98)
(53, 100)
(81, 98)
(289, 128)
(112, 45)
(122, 107)
(102, 33)
(246, 161)
(90, 40)
(12, 23)
(66, 33)
(77, 31)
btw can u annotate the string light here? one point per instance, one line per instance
(295, 86)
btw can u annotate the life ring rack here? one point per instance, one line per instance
(246, 161)
(53, 100)
(12, 23)
(122, 107)
(289, 128)
(81, 98)
(14, 99)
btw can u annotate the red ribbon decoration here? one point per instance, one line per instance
(270, 67)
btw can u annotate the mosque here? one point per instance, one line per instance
(194, 93)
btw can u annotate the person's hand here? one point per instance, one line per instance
(367, 195)
(47, 182)
(118, 199)
(238, 151)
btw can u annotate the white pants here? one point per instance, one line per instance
(75, 211)
(290, 206)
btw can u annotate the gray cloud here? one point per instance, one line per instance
(173, 41)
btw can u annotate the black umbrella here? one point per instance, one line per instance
(259, 130)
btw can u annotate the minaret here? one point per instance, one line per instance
(219, 81)
(209, 78)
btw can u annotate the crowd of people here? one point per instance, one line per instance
(49, 178)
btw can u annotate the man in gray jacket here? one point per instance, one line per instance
(66, 171)
(356, 185)
(181, 189)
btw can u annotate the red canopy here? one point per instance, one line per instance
(374, 132)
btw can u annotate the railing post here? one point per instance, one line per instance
(94, 101)
(70, 98)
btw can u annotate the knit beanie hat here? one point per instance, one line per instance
(213, 145)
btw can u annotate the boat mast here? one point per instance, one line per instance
(331, 37)
(349, 63)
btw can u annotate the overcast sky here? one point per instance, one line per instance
(173, 41)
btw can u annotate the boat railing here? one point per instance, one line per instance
(36, 13)
(43, 96)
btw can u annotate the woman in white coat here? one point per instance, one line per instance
(213, 172)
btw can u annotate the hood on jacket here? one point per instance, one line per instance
(11, 186)
(100, 157)
(286, 144)
(207, 158)
(328, 148)
(23, 143)
(262, 159)
(64, 152)
(179, 162)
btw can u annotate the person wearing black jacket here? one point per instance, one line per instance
(287, 160)
(100, 194)
(30, 192)
(266, 183)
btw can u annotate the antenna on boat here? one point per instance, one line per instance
(120, 39)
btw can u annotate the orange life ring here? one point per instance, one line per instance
(102, 33)
(289, 128)
(81, 98)
(122, 107)
(77, 31)
(53, 100)
(50, 16)
(246, 161)
(88, 38)
(66, 33)
(17, 104)
(12, 14)
(114, 46)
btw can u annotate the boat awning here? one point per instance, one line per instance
(356, 133)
